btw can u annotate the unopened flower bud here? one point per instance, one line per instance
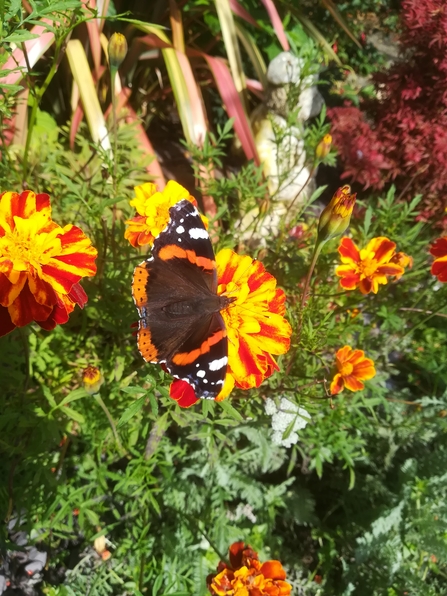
(117, 50)
(92, 379)
(323, 147)
(336, 216)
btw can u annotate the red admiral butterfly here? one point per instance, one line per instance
(175, 292)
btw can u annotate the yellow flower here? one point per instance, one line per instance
(366, 269)
(40, 263)
(92, 379)
(255, 325)
(335, 218)
(153, 207)
(353, 368)
(117, 49)
(323, 147)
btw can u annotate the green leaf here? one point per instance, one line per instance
(131, 411)
(19, 36)
(74, 415)
(73, 396)
(230, 411)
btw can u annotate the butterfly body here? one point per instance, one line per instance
(175, 291)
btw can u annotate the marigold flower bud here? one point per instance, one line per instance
(92, 379)
(117, 50)
(335, 218)
(323, 147)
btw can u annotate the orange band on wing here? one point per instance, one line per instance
(139, 285)
(188, 357)
(173, 251)
(145, 345)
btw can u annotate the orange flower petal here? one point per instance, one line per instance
(25, 309)
(352, 383)
(348, 251)
(273, 570)
(9, 291)
(383, 249)
(337, 384)
(390, 269)
(343, 354)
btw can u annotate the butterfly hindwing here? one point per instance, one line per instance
(175, 291)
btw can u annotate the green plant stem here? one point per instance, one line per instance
(316, 254)
(317, 250)
(113, 72)
(99, 400)
(430, 316)
(37, 96)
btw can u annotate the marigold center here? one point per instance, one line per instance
(346, 369)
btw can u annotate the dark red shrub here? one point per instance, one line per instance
(401, 136)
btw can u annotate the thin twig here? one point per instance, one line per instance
(426, 312)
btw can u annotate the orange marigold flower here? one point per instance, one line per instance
(366, 269)
(153, 211)
(255, 323)
(439, 266)
(247, 576)
(40, 263)
(353, 368)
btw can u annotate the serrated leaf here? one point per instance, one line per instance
(19, 36)
(131, 411)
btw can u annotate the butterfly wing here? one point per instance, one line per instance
(175, 293)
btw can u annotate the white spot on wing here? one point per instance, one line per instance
(182, 220)
(180, 230)
(197, 233)
(218, 364)
(201, 373)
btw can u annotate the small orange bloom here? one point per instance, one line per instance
(439, 266)
(153, 211)
(366, 269)
(247, 576)
(255, 324)
(40, 263)
(353, 368)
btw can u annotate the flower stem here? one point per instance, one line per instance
(99, 400)
(315, 255)
(37, 96)
(317, 249)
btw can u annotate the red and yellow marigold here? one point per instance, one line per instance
(153, 207)
(41, 263)
(353, 368)
(370, 267)
(439, 266)
(247, 576)
(255, 324)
